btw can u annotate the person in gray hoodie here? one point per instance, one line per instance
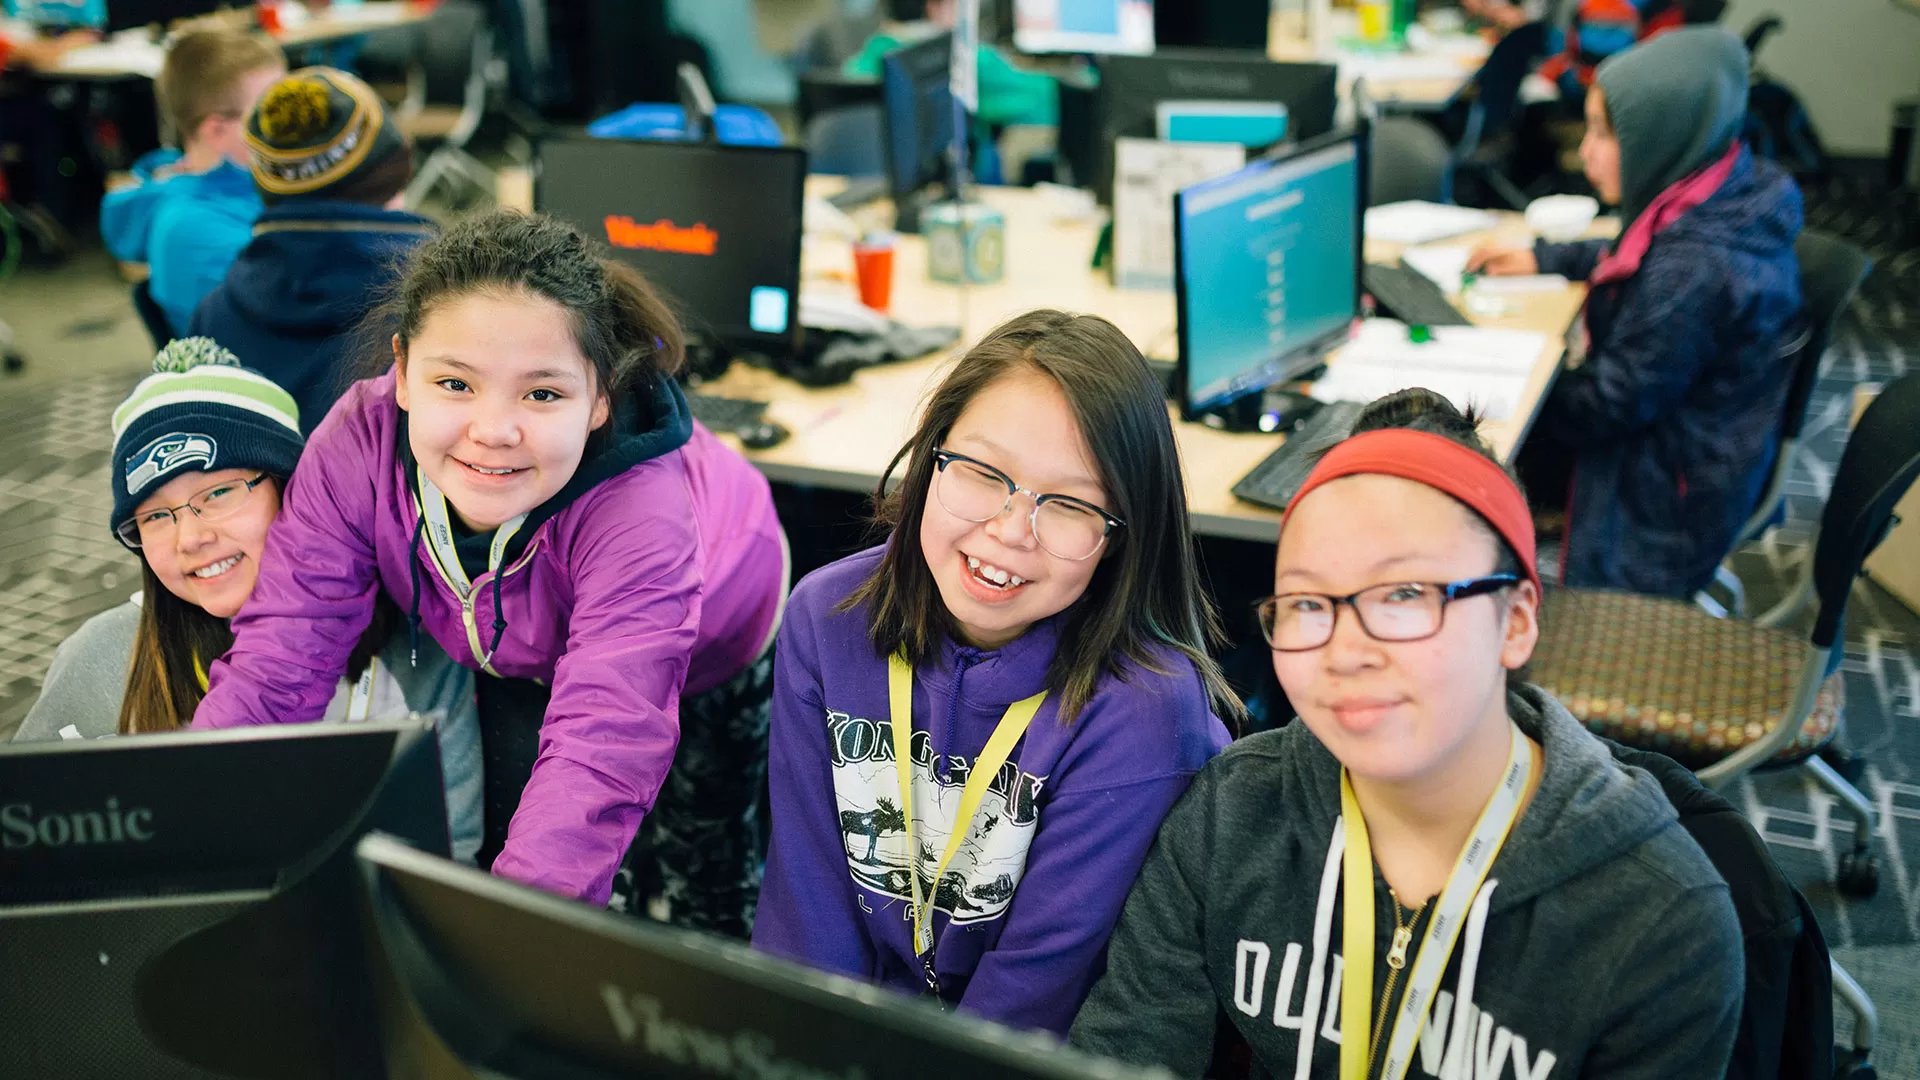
(1437, 871)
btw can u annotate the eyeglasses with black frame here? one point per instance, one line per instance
(1065, 527)
(210, 504)
(1396, 612)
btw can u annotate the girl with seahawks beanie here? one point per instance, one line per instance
(201, 455)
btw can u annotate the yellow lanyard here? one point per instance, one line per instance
(985, 767)
(1463, 884)
(359, 701)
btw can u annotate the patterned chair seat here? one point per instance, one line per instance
(1665, 676)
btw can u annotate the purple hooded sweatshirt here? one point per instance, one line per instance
(1025, 908)
(664, 577)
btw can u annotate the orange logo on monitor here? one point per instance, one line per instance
(662, 235)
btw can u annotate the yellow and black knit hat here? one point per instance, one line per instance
(316, 130)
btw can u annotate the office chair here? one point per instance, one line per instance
(151, 315)
(1484, 150)
(1727, 697)
(1831, 271)
(1724, 696)
(449, 99)
(1408, 160)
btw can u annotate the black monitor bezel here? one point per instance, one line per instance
(431, 997)
(1309, 348)
(744, 337)
(1325, 87)
(899, 189)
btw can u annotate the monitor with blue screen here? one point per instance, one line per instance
(1267, 267)
(1083, 26)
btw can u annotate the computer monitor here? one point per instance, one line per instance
(921, 115)
(55, 15)
(183, 904)
(1213, 24)
(714, 228)
(488, 974)
(1267, 264)
(1085, 26)
(1132, 88)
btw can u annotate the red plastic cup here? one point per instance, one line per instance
(873, 267)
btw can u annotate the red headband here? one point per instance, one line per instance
(1441, 464)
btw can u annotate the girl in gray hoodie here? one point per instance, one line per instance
(1437, 871)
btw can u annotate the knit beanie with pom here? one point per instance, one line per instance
(322, 133)
(200, 411)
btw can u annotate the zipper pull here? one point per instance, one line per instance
(1397, 954)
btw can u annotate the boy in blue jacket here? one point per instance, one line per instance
(1670, 420)
(191, 210)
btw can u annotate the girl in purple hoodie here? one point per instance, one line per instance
(528, 484)
(978, 726)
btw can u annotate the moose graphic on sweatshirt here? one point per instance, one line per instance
(979, 882)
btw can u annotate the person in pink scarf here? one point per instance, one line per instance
(1658, 440)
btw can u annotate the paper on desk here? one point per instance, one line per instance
(115, 55)
(1467, 365)
(1442, 263)
(1520, 285)
(1420, 222)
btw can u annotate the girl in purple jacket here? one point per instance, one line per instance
(978, 726)
(528, 484)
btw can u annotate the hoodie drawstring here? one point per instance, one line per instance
(413, 609)
(963, 659)
(1455, 1065)
(499, 620)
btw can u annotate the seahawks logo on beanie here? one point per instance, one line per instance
(175, 450)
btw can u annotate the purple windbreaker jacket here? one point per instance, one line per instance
(667, 577)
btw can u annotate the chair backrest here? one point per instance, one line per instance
(1830, 273)
(1506, 67)
(1880, 463)
(1409, 160)
(447, 52)
(151, 315)
(846, 141)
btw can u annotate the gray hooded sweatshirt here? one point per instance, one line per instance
(1610, 947)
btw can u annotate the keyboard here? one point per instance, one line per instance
(1406, 294)
(725, 413)
(1274, 481)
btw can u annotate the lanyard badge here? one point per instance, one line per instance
(985, 767)
(1443, 930)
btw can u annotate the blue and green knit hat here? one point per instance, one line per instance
(199, 410)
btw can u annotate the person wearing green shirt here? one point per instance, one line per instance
(1008, 95)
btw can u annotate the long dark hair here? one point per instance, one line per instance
(163, 686)
(175, 643)
(622, 326)
(1145, 596)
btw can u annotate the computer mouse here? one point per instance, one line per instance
(763, 435)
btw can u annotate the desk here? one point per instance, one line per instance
(843, 436)
(1418, 80)
(132, 54)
